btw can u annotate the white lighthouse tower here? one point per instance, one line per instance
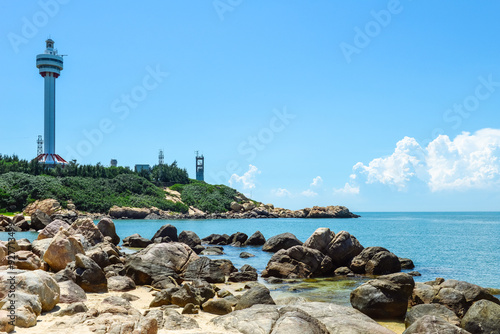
(50, 65)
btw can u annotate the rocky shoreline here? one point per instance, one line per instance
(72, 259)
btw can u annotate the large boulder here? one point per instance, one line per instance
(136, 241)
(108, 229)
(166, 231)
(385, 297)
(281, 241)
(87, 228)
(120, 283)
(190, 238)
(62, 250)
(298, 262)
(375, 261)
(217, 306)
(26, 260)
(48, 206)
(205, 269)
(314, 318)
(39, 220)
(127, 212)
(51, 229)
(430, 324)
(256, 239)
(71, 292)
(419, 311)
(226, 266)
(238, 237)
(216, 239)
(89, 276)
(39, 247)
(483, 317)
(159, 261)
(343, 248)
(256, 295)
(320, 239)
(37, 283)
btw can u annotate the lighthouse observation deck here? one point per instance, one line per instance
(49, 63)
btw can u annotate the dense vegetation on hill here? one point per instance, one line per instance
(17, 190)
(90, 188)
(206, 197)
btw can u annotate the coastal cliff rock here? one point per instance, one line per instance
(330, 212)
(298, 262)
(384, 297)
(47, 206)
(127, 212)
(281, 241)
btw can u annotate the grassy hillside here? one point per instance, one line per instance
(17, 190)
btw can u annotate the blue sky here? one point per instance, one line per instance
(379, 106)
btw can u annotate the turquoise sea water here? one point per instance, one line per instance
(463, 246)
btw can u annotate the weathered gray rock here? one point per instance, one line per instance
(226, 266)
(72, 309)
(430, 324)
(89, 276)
(419, 311)
(120, 283)
(452, 299)
(301, 318)
(108, 229)
(320, 239)
(406, 263)
(281, 241)
(216, 239)
(71, 293)
(483, 317)
(256, 295)
(246, 255)
(165, 231)
(212, 251)
(175, 321)
(159, 261)
(244, 276)
(39, 220)
(217, 306)
(343, 248)
(375, 261)
(51, 229)
(136, 241)
(385, 297)
(256, 239)
(26, 260)
(87, 228)
(205, 269)
(238, 237)
(40, 246)
(190, 238)
(298, 262)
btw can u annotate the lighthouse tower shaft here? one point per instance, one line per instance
(50, 65)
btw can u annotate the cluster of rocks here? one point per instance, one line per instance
(244, 210)
(37, 220)
(436, 307)
(325, 253)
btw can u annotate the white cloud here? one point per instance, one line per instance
(317, 181)
(396, 169)
(247, 179)
(309, 193)
(466, 162)
(347, 190)
(281, 192)
(469, 161)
